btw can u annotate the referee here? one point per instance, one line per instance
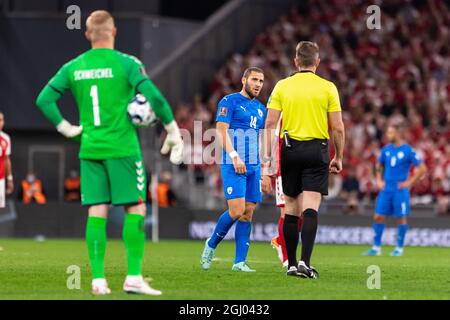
(308, 103)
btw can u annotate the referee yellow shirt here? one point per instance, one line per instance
(305, 100)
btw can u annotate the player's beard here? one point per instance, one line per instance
(394, 139)
(249, 91)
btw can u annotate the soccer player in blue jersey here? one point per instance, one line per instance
(395, 160)
(240, 118)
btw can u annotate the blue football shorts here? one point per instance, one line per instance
(393, 203)
(246, 185)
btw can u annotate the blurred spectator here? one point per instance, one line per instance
(350, 192)
(334, 186)
(215, 187)
(442, 190)
(165, 194)
(72, 191)
(32, 190)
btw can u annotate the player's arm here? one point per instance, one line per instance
(223, 119)
(8, 169)
(338, 139)
(47, 99)
(268, 165)
(274, 109)
(173, 141)
(337, 128)
(225, 143)
(141, 83)
(266, 172)
(273, 116)
(159, 104)
(9, 176)
(379, 168)
(419, 172)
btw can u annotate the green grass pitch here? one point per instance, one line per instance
(37, 270)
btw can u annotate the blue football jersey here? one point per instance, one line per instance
(397, 162)
(246, 119)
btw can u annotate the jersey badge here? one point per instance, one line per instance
(223, 111)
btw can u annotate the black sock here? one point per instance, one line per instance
(309, 230)
(290, 230)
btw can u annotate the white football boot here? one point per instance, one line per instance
(100, 287)
(137, 285)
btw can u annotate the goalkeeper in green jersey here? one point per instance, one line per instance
(103, 81)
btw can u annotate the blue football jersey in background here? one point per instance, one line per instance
(246, 119)
(397, 161)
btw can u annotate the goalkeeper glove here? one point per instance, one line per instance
(173, 142)
(68, 130)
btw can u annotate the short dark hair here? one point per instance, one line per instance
(249, 70)
(307, 52)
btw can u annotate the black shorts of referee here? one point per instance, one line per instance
(304, 167)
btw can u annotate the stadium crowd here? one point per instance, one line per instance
(398, 73)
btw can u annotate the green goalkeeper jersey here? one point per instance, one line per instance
(103, 81)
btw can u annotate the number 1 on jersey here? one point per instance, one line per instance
(96, 107)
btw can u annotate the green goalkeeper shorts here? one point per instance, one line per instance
(118, 181)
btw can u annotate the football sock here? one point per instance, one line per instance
(223, 225)
(134, 239)
(281, 241)
(308, 234)
(96, 242)
(290, 231)
(401, 232)
(242, 237)
(280, 229)
(300, 222)
(378, 229)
